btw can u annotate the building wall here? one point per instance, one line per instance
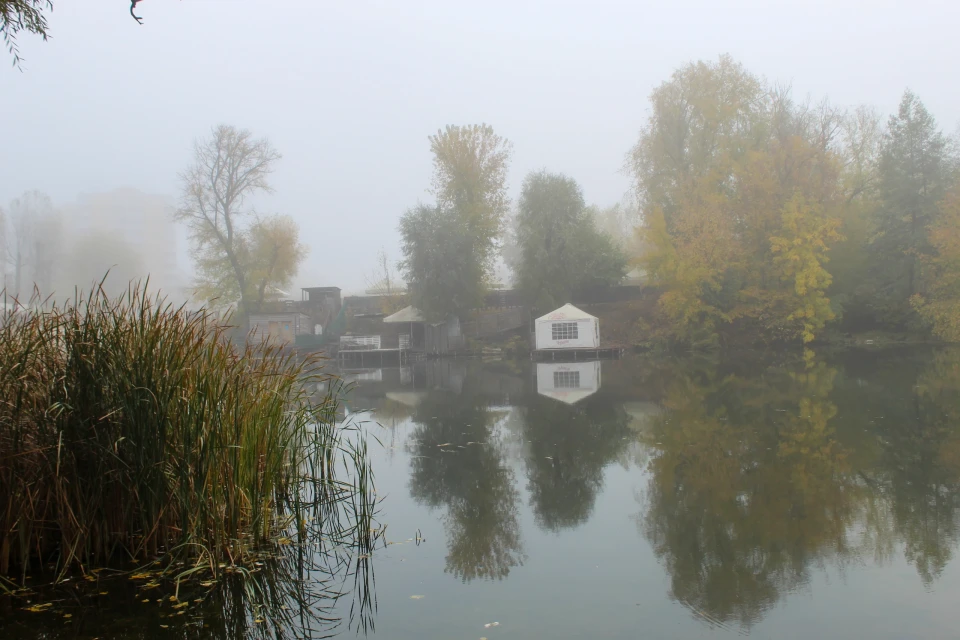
(279, 326)
(587, 335)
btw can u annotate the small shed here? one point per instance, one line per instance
(567, 328)
(568, 382)
(432, 337)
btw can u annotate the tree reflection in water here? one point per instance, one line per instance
(569, 446)
(468, 476)
(758, 478)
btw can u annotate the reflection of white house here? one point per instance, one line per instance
(568, 382)
(567, 328)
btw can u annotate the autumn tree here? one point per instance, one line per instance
(469, 183)
(939, 304)
(740, 197)
(561, 252)
(915, 171)
(240, 258)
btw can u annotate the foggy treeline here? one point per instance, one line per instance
(48, 250)
(753, 214)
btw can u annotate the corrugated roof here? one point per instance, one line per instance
(407, 314)
(566, 312)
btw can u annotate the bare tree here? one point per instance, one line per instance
(236, 261)
(32, 243)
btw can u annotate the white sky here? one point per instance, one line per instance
(349, 91)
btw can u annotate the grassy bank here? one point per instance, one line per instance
(131, 430)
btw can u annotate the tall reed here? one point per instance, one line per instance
(133, 429)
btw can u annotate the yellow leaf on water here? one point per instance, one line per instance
(259, 621)
(163, 626)
(68, 615)
(146, 600)
(103, 593)
(37, 608)
(89, 578)
(206, 584)
(416, 597)
(181, 605)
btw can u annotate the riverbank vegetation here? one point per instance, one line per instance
(132, 431)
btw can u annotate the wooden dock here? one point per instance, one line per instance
(567, 355)
(364, 351)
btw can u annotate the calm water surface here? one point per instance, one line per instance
(664, 498)
(679, 498)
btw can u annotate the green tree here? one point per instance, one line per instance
(915, 171)
(236, 262)
(439, 262)
(561, 251)
(449, 249)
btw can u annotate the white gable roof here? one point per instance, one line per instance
(407, 314)
(566, 312)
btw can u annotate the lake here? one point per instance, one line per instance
(658, 497)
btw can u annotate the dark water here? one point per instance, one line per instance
(662, 498)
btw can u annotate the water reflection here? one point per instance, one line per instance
(568, 449)
(458, 464)
(755, 475)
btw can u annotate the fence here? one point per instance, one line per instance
(359, 343)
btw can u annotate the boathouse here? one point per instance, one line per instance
(567, 328)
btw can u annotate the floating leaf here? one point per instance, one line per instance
(491, 624)
(416, 597)
(68, 615)
(37, 608)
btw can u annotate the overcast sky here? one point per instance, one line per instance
(349, 91)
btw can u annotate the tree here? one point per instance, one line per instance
(95, 254)
(469, 182)
(740, 194)
(915, 171)
(850, 265)
(236, 264)
(561, 250)
(32, 244)
(939, 304)
(31, 16)
(439, 261)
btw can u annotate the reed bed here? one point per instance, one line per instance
(132, 430)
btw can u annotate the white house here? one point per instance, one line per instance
(567, 328)
(568, 382)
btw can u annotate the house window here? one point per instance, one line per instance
(566, 379)
(564, 331)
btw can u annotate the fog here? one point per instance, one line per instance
(349, 92)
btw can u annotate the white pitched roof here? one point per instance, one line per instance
(407, 314)
(566, 312)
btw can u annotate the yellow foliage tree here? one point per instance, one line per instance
(939, 305)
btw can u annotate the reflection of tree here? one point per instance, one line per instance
(919, 467)
(569, 447)
(748, 488)
(472, 482)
